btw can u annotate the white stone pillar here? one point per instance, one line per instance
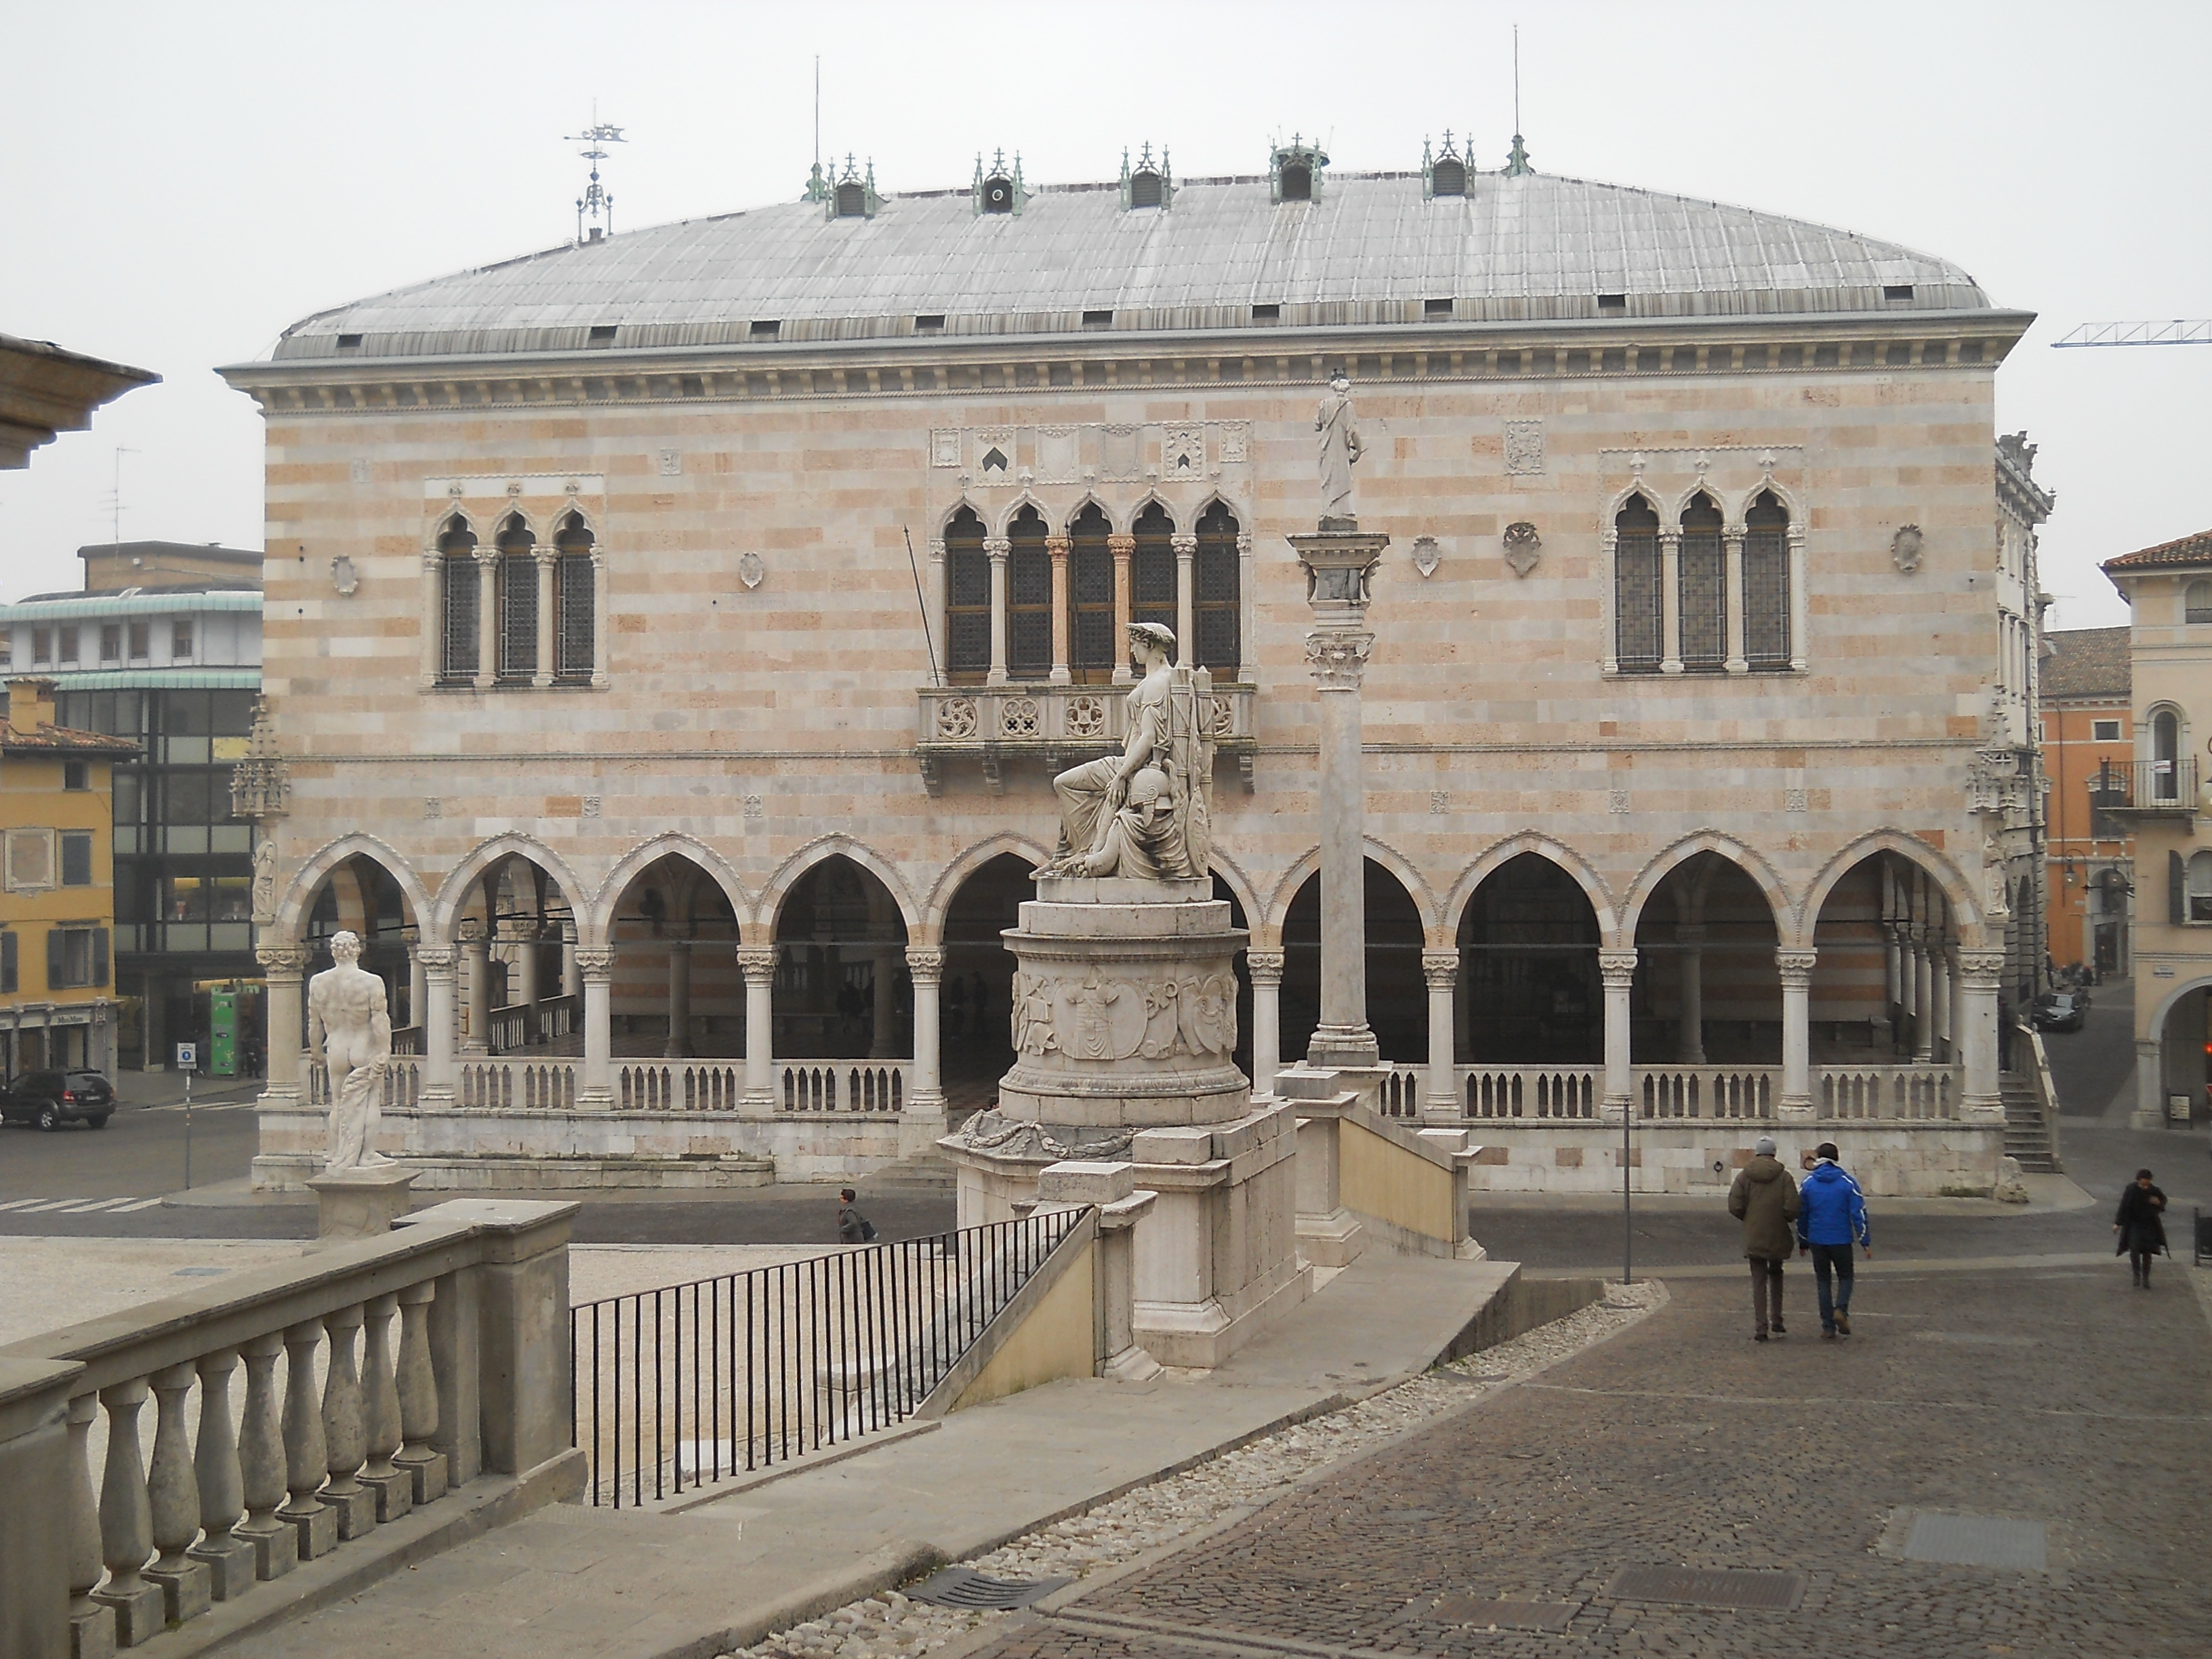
(1122, 549)
(1923, 1005)
(2150, 1084)
(438, 1021)
(1943, 962)
(1266, 968)
(924, 966)
(1063, 622)
(1796, 968)
(679, 1000)
(417, 985)
(998, 548)
(757, 964)
(1980, 974)
(571, 978)
(1618, 970)
(526, 970)
(476, 990)
(1186, 553)
(1670, 600)
(1690, 972)
(596, 969)
(547, 558)
(1738, 662)
(487, 617)
(1337, 658)
(283, 967)
(1441, 969)
(1908, 989)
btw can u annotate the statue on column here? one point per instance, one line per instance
(349, 1035)
(1339, 448)
(1147, 812)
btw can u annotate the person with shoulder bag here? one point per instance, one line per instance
(1765, 1199)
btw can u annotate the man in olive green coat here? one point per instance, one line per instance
(1765, 1199)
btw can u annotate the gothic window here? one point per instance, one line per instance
(1215, 598)
(2199, 901)
(1297, 182)
(1152, 573)
(967, 600)
(1703, 588)
(1766, 583)
(1635, 580)
(2196, 603)
(458, 597)
(1092, 650)
(517, 602)
(1028, 598)
(575, 644)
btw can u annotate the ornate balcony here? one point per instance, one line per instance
(2147, 789)
(1058, 725)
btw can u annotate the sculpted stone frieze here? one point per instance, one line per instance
(1098, 1017)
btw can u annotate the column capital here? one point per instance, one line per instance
(756, 962)
(1121, 546)
(1058, 546)
(598, 965)
(998, 547)
(1186, 547)
(281, 961)
(926, 963)
(1337, 658)
(1795, 967)
(1440, 969)
(486, 556)
(1982, 969)
(546, 556)
(1690, 933)
(1617, 968)
(1265, 967)
(435, 959)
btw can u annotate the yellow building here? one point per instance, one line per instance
(57, 886)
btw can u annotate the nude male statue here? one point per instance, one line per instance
(350, 1033)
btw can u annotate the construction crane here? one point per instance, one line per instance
(2177, 333)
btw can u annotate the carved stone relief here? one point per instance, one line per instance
(945, 446)
(1524, 447)
(1183, 451)
(1426, 554)
(1905, 546)
(1524, 547)
(1098, 1018)
(751, 569)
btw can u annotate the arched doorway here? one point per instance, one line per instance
(1397, 994)
(2183, 1060)
(842, 988)
(361, 896)
(1707, 991)
(1528, 990)
(1885, 971)
(976, 1045)
(518, 993)
(676, 991)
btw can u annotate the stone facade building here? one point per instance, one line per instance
(2088, 745)
(670, 639)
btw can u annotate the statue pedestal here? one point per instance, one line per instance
(1124, 1024)
(360, 1203)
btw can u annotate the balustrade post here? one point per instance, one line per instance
(437, 1025)
(173, 1500)
(394, 1487)
(306, 1457)
(1266, 968)
(1796, 968)
(1441, 969)
(757, 964)
(455, 1351)
(1618, 970)
(525, 1362)
(597, 1088)
(416, 1383)
(229, 1559)
(92, 1626)
(283, 969)
(37, 1553)
(126, 1522)
(924, 966)
(345, 1433)
(275, 1541)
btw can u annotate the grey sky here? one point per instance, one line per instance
(187, 181)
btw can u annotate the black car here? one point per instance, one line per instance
(51, 1099)
(2062, 1010)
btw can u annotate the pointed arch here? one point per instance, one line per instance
(1149, 499)
(964, 504)
(449, 520)
(1958, 892)
(1089, 498)
(779, 885)
(642, 857)
(1741, 508)
(453, 891)
(572, 509)
(1754, 865)
(931, 926)
(1025, 497)
(1401, 868)
(1637, 490)
(1500, 854)
(1682, 503)
(307, 880)
(1247, 895)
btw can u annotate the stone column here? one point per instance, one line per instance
(1123, 549)
(572, 979)
(883, 984)
(1266, 968)
(1980, 975)
(601, 622)
(1796, 968)
(1670, 600)
(1690, 971)
(547, 559)
(1738, 662)
(1942, 961)
(1618, 970)
(525, 972)
(1441, 969)
(596, 969)
(679, 1000)
(2150, 1083)
(437, 1022)
(1908, 989)
(925, 965)
(476, 990)
(757, 964)
(1062, 622)
(997, 549)
(487, 617)
(1186, 552)
(417, 994)
(284, 966)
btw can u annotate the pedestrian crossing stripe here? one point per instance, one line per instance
(124, 1205)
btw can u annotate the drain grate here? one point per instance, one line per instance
(1486, 1613)
(964, 1587)
(1980, 1540)
(1710, 1587)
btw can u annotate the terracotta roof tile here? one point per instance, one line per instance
(2190, 549)
(44, 740)
(2088, 663)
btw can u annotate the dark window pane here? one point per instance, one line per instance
(1215, 584)
(579, 601)
(518, 616)
(1637, 578)
(185, 797)
(230, 713)
(459, 661)
(76, 859)
(1704, 588)
(1766, 585)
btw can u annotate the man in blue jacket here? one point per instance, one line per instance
(1831, 1213)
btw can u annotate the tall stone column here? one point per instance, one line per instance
(1123, 549)
(1924, 1002)
(1908, 989)
(284, 966)
(925, 965)
(1796, 968)
(1690, 970)
(1186, 552)
(487, 617)
(437, 1020)
(571, 978)
(1670, 600)
(547, 558)
(476, 989)
(1056, 547)
(596, 969)
(883, 983)
(1980, 975)
(525, 971)
(1266, 968)
(2150, 1084)
(998, 549)
(1338, 564)
(679, 1000)
(1943, 962)
(1618, 970)
(1737, 662)
(417, 989)
(1441, 969)
(757, 964)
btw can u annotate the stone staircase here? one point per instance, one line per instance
(926, 1171)
(2027, 1137)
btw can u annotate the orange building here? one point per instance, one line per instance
(2089, 742)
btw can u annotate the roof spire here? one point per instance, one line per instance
(1516, 163)
(596, 199)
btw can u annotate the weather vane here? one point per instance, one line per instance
(597, 199)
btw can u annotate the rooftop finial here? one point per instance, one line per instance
(596, 200)
(1516, 163)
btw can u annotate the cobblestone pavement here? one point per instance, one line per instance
(2060, 1397)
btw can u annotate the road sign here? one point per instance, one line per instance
(188, 1056)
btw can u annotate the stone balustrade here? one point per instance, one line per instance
(536, 1084)
(332, 1396)
(1889, 1093)
(1062, 723)
(403, 1083)
(870, 1087)
(1533, 1092)
(1707, 1092)
(1399, 1095)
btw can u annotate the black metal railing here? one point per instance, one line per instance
(675, 1388)
(2151, 786)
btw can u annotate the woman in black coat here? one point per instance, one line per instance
(2141, 1233)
